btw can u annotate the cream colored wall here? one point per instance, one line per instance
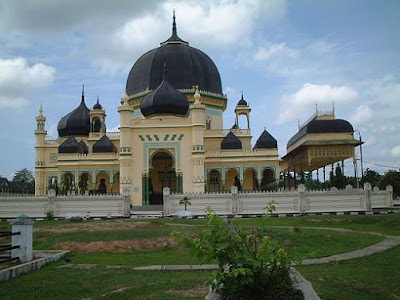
(142, 150)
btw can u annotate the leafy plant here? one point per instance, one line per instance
(185, 201)
(251, 265)
(49, 215)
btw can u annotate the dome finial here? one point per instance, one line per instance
(242, 95)
(41, 110)
(83, 93)
(173, 23)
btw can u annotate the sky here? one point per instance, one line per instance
(285, 55)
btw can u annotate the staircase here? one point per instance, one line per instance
(147, 211)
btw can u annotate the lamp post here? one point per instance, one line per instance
(361, 155)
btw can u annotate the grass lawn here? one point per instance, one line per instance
(101, 283)
(148, 242)
(372, 277)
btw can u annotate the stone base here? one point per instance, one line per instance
(41, 258)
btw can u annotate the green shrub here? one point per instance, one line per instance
(251, 265)
(50, 215)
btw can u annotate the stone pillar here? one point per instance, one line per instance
(302, 199)
(24, 226)
(367, 196)
(389, 196)
(166, 201)
(234, 194)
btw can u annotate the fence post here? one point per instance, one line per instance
(301, 189)
(234, 194)
(389, 190)
(126, 193)
(23, 225)
(166, 200)
(367, 196)
(50, 207)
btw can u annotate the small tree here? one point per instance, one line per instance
(251, 264)
(391, 177)
(23, 175)
(185, 201)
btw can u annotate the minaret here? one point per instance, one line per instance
(97, 120)
(197, 114)
(242, 108)
(125, 155)
(40, 134)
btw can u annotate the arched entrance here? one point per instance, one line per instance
(84, 183)
(214, 181)
(102, 183)
(232, 178)
(68, 183)
(250, 182)
(162, 174)
(267, 179)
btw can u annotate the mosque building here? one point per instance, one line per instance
(171, 135)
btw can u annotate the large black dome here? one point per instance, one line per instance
(187, 66)
(77, 122)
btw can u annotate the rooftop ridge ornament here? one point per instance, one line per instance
(174, 39)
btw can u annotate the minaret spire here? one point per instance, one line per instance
(83, 93)
(173, 23)
(174, 39)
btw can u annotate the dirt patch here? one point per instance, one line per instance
(329, 221)
(288, 242)
(117, 246)
(197, 291)
(97, 226)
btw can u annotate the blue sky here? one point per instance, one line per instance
(284, 55)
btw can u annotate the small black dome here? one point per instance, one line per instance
(165, 99)
(70, 145)
(266, 141)
(77, 122)
(187, 66)
(97, 105)
(103, 145)
(242, 102)
(322, 126)
(231, 141)
(83, 148)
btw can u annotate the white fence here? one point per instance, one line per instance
(60, 206)
(286, 202)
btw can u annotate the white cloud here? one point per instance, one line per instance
(396, 151)
(299, 104)
(16, 76)
(362, 115)
(9, 102)
(211, 24)
(17, 79)
(274, 50)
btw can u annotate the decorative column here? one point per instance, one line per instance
(197, 115)
(40, 134)
(125, 155)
